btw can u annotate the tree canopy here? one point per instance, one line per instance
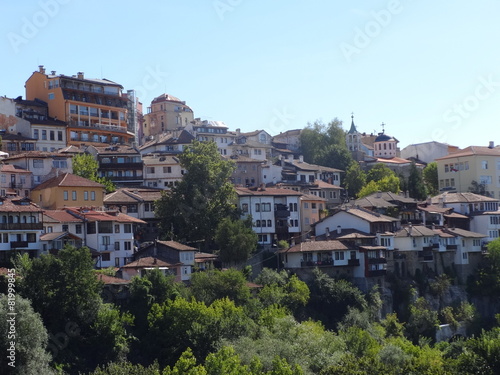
(193, 209)
(236, 240)
(430, 175)
(86, 166)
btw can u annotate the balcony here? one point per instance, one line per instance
(115, 165)
(317, 263)
(377, 260)
(16, 185)
(18, 244)
(353, 262)
(21, 226)
(425, 256)
(451, 247)
(103, 127)
(281, 214)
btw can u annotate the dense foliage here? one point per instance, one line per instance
(86, 166)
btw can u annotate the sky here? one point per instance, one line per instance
(430, 71)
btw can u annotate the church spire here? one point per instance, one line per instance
(353, 127)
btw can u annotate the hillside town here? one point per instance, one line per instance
(44, 206)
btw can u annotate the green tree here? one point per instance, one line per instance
(430, 175)
(236, 240)
(325, 144)
(486, 279)
(378, 172)
(86, 166)
(30, 338)
(355, 179)
(478, 188)
(423, 321)
(211, 285)
(416, 186)
(193, 209)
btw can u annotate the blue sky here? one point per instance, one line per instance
(428, 70)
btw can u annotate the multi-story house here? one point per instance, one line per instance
(94, 109)
(68, 190)
(110, 234)
(43, 165)
(179, 259)
(20, 227)
(138, 203)
(10, 118)
(122, 164)
(475, 164)
(275, 212)
(15, 180)
(215, 131)
(49, 133)
(289, 140)
(247, 171)
(299, 172)
(168, 143)
(311, 208)
(16, 144)
(388, 203)
(162, 171)
(60, 228)
(165, 113)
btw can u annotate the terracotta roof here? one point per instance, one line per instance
(394, 160)
(267, 191)
(315, 246)
(373, 247)
(325, 185)
(373, 201)
(456, 215)
(111, 280)
(177, 245)
(57, 235)
(59, 216)
(92, 215)
(202, 257)
(473, 150)
(130, 195)
(69, 180)
(311, 197)
(435, 209)
(13, 205)
(8, 168)
(37, 155)
(115, 149)
(372, 217)
(461, 198)
(167, 98)
(149, 262)
(15, 137)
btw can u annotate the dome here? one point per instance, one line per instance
(384, 138)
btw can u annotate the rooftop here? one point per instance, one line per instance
(68, 180)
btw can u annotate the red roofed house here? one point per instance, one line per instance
(68, 190)
(15, 180)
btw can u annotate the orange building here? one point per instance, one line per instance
(95, 109)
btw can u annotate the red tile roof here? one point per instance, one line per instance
(473, 150)
(148, 262)
(13, 205)
(68, 180)
(8, 168)
(177, 246)
(111, 280)
(59, 216)
(315, 246)
(92, 215)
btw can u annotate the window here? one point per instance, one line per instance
(44, 135)
(150, 169)
(73, 195)
(117, 228)
(78, 228)
(266, 207)
(52, 135)
(59, 135)
(466, 165)
(465, 256)
(127, 245)
(244, 207)
(486, 180)
(51, 96)
(65, 195)
(493, 233)
(484, 164)
(257, 207)
(257, 223)
(37, 163)
(92, 195)
(65, 227)
(167, 169)
(31, 237)
(117, 245)
(117, 262)
(313, 206)
(105, 227)
(127, 228)
(339, 255)
(269, 223)
(263, 223)
(86, 195)
(262, 238)
(494, 220)
(59, 163)
(476, 242)
(35, 133)
(105, 257)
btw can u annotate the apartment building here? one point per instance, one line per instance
(216, 131)
(122, 164)
(275, 212)
(474, 164)
(15, 180)
(94, 109)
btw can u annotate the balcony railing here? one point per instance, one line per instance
(112, 128)
(377, 260)
(108, 247)
(116, 165)
(317, 263)
(21, 226)
(281, 214)
(18, 244)
(451, 247)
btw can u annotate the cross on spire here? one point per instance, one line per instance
(383, 127)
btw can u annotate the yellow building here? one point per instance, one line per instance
(68, 190)
(311, 209)
(95, 109)
(457, 171)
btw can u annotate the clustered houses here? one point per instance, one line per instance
(287, 198)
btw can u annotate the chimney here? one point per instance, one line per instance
(492, 144)
(379, 194)
(262, 187)
(301, 158)
(80, 75)
(339, 229)
(41, 69)
(410, 229)
(155, 248)
(327, 230)
(53, 72)
(238, 131)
